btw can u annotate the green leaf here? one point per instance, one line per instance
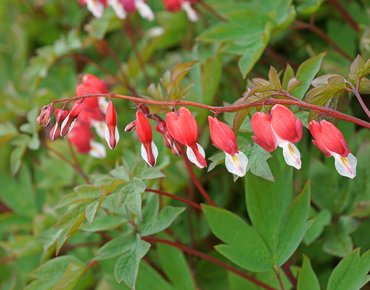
(351, 273)
(243, 245)
(127, 266)
(288, 75)
(306, 277)
(253, 49)
(54, 272)
(258, 162)
(149, 278)
(321, 220)
(130, 196)
(357, 70)
(293, 226)
(18, 192)
(164, 219)
(211, 77)
(306, 73)
(175, 266)
(267, 202)
(125, 242)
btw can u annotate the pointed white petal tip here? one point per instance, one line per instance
(107, 136)
(237, 164)
(192, 157)
(144, 10)
(95, 7)
(346, 166)
(190, 12)
(144, 154)
(97, 150)
(292, 156)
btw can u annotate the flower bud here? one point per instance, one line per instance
(45, 115)
(111, 130)
(60, 115)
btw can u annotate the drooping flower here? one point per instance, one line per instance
(111, 130)
(70, 120)
(45, 115)
(169, 142)
(122, 7)
(83, 140)
(177, 5)
(183, 128)
(149, 150)
(60, 115)
(330, 140)
(282, 129)
(223, 138)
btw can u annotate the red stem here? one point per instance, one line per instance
(355, 91)
(197, 183)
(278, 276)
(208, 258)
(173, 196)
(74, 166)
(347, 17)
(303, 25)
(77, 163)
(232, 108)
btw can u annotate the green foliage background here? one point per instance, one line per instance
(312, 222)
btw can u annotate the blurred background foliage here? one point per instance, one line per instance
(45, 47)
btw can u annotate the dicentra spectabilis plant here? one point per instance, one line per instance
(171, 156)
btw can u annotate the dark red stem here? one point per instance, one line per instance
(208, 258)
(179, 198)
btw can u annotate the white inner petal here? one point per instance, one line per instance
(106, 135)
(95, 7)
(191, 155)
(97, 150)
(64, 123)
(236, 164)
(144, 10)
(103, 104)
(116, 135)
(190, 12)
(118, 9)
(292, 155)
(346, 166)
(99, 127)
(144, 154)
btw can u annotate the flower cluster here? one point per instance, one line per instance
(279, 128)
(123, 7)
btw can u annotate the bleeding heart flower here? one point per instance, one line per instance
(177, 5)
(60, 115)
(70, 120)
(330, 140)
(122, 7)
(111, 130)
(282, 129)
(183, 128)
(224, 139)
(169, 142)
(149, 151)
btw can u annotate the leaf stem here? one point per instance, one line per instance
(311, 27)
(173, 196)
(347, 17)
(278, 276)
(355, 91)
(77, 163)
(196, 182)
(208, 258)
